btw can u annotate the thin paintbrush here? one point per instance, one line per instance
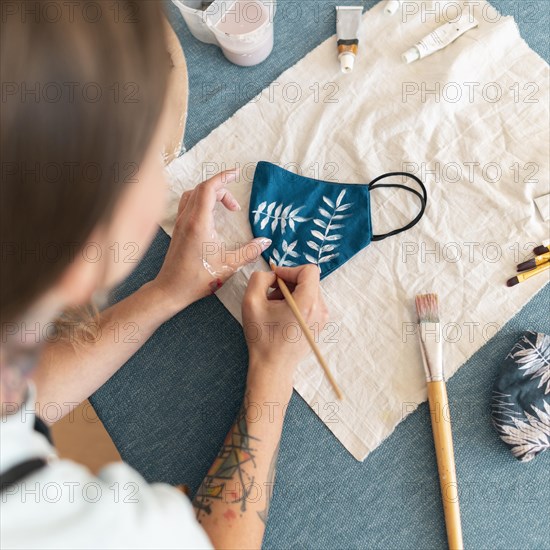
(431, 347)
(524, 275)
(306, 331)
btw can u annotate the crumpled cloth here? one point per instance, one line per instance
(472, 122)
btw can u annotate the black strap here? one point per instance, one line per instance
(41, 427)
(423, 199)
(19, 472)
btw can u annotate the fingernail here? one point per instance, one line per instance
(265, 244)
(230, 176)
(237, 205)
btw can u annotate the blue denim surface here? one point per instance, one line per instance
(169, 408)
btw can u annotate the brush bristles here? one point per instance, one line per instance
(427, 308)
(512, 282)
(529, 264)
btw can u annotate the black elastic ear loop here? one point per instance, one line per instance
(423, 199)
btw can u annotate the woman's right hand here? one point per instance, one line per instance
(274, 337)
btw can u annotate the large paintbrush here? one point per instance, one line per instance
(432, 355)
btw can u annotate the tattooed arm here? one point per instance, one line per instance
(232, 504)
(233, 501)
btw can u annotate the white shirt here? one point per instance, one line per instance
(63, 505)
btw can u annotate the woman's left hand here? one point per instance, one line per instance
(197, 264)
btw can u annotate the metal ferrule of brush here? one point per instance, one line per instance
(431, 347)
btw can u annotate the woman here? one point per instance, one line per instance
(82, 127)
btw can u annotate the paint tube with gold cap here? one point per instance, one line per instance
(348, 21)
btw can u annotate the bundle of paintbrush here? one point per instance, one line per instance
(539, 264)
(431, 347)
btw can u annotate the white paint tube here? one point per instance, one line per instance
(348, 21)
(440, 38)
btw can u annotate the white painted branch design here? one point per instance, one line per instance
(327, 243)
(278, 214)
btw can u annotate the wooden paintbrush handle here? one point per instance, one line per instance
(443, 441)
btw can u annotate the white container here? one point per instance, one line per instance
(195, 18)
(440, 38)
(243, 29)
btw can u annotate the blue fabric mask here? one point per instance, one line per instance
(312, 221)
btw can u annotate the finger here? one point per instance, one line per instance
(184, 201)
(250, 252)
(321, 301)
(277, 293)
(323, 306)
(223, 178)
(258, 286)
(207, 192)
(306, 278)
(228, 200)
(296, 274)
